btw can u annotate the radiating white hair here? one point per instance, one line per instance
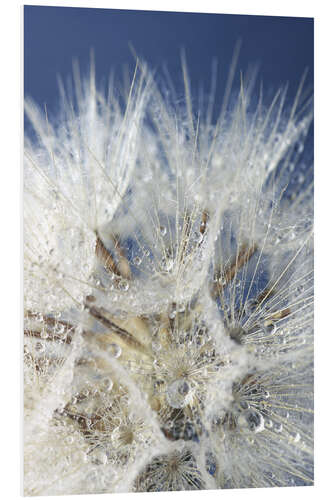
(168, 295)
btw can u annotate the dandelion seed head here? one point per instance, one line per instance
(168, 293)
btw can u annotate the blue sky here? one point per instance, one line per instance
(53, 36)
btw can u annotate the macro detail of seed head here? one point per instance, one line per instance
(168, 303)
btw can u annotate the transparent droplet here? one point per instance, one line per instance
(156, 345)
(137, 261)
(300, 147)
(44, 334)
(60, 329)
(114, 350)
(85, 392)
(297, 437)
(123, 285)
(181, 308)
(163, 230)
(107, 384)
(179, 393)
(253, 420)
(279, 427)
(173, 311)
(184, 388)
(198, 237)
(167, 264)
(250, 306)
(69, 440)
(158, 384)
(39, 347)
(269, 328)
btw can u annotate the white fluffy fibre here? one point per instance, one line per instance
(168, 292)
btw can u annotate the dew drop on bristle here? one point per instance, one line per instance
(167, 264)
(137, 261)
(123, 285)
(269, 328)
(198, 237)
(297, 437)
(253, 420)
(107, 384)
(39, 347)
(114, 350)
(250, 306)
(178, 393)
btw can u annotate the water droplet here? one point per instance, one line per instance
(44, 334)
(123, 285)
(297, 437)
(279, 427)
(156, 346)
(163, 230)
(137, 261)
(69, 440)
(183, 388)
(114, 350)
(107, 384)
(167, 264)
(60, 329)
(179, 393)
(173, 311)
(85, 392)
(40, 347)
(250, 306)
(198, 237)
(269, 328)
(253, 420)
(300, 148)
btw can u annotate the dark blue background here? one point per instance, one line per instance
(53, 36)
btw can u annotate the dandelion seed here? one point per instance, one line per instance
(168, 294)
